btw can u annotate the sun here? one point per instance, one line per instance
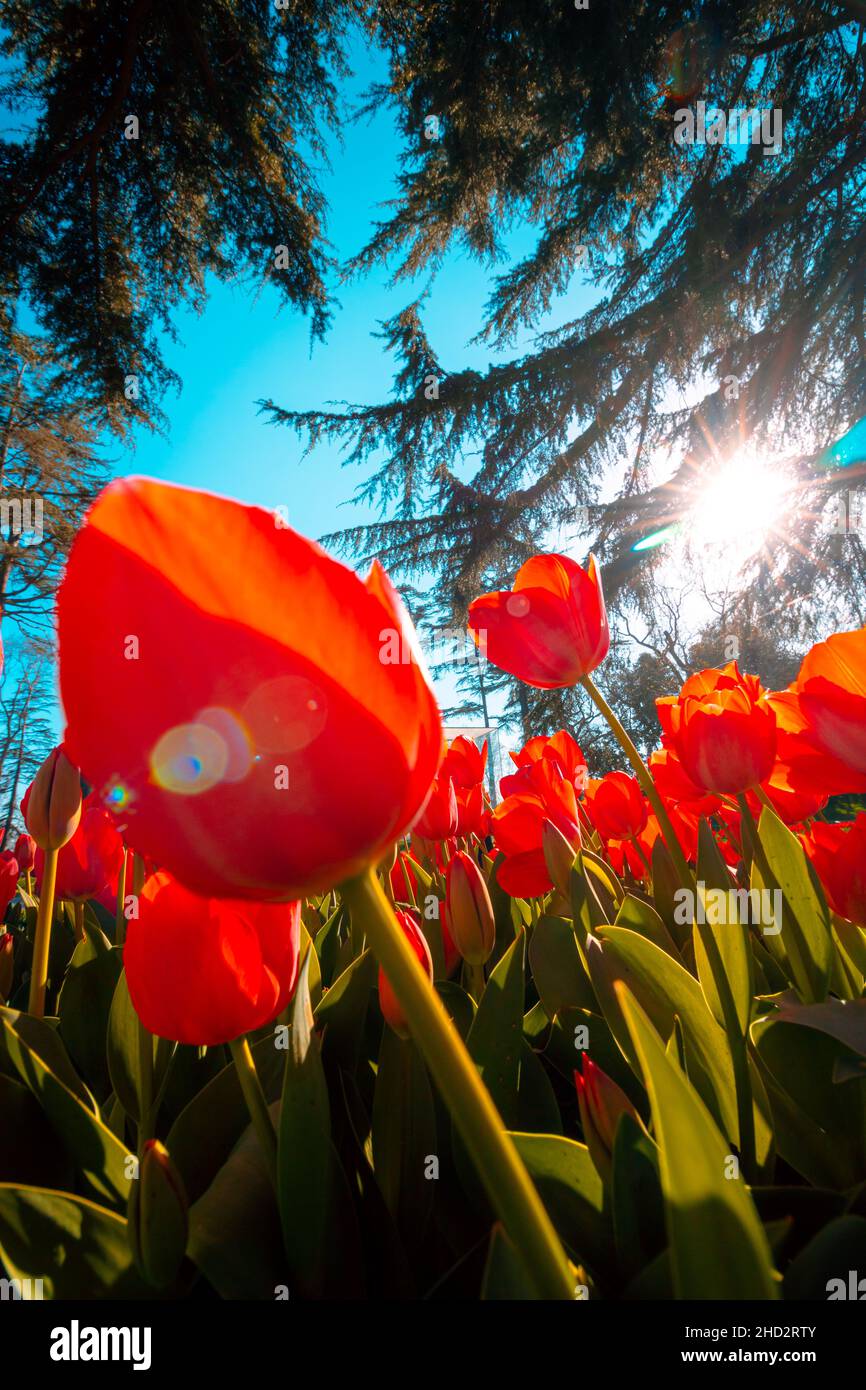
(742, 503)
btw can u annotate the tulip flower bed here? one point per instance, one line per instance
(292, 1011)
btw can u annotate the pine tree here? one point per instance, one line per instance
(155, 143)
(729, 277)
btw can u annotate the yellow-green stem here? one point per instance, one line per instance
(120, 915)
(42, 940)
(78, 909)
(736, 1041)
(497, 1161)
(647, 784)
(256, 1103)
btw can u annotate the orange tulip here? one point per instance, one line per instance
(838, 853)
(722, 728)
(551, 629)
(831, 689)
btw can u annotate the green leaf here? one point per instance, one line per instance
(122, 1050)
(845, 1022)
(718, 1246)
(802, 1063)
(573, 1194)
(304, 1150)
(636, 1198)
(404, 1135)
(537, 1108)
(641, 917)
(205, 1131)
(806, 930)
(823, 1270)
(234, 1229)
(557, 968)
(730, 934)
(343, 1011)
(495, 1039)
(42, 1039)
(29, 1151)
(505, 1275)
(97, 1153)
(84, 1005)
(664, 989)
(78, 1249)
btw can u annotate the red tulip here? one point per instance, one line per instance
(449, 950)
(560, 748)
(207, 970)
(831, 687)
(400, 873)
(439, 818)
(551, 629)
(675, 784)
(464, 762)
(616, 806)
(471, 811)
(388, 1003)
(223, 682)
(9, 871)
(51, 805)
(601, 1102)
(722, 729)
(470, 913)
(518, 823)
(838, 853)
(89, 863)
(25, 852)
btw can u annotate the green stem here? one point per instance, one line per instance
(497, 1161)
(120, 915)
(256, 1103)
(42, 939)
(476, 981)
(145, 1078)
(647, 784)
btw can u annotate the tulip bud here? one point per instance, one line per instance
(470, 911)
(157, 1214)
(7, 965)
(601, 1103)
(392, 1011)
(559, 856)
(52, 806)
(25, 852)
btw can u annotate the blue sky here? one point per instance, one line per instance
(245, 347)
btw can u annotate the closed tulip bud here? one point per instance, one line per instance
(157, 1215)
(559, 856)
(7, 964)
(52, 803)
(391, 1008)
(601, 1103)
(25, 852)
(470, 911)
